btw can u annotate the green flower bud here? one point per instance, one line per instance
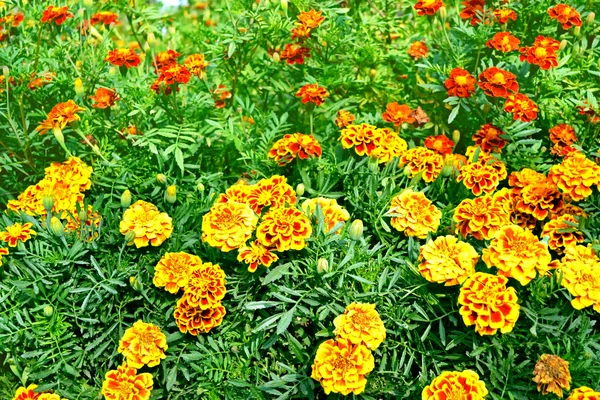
(563, 44)
(200, 187)
(60, 138)
(276, 57)
(577, 31)
(590, 17)
(407, 171)
(443, 13)
(48, 202)
(48, 311)
(126, 199)
(456, 136)
(447, 170)
(300, 189)
(373, 164)
(83, 215)
(56, 227)
(322, 265)
(129, 236)
(133, 281)
(356, 229)
(161, 178)
(171, 194)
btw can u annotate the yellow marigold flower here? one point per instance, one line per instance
(485, 158)
(3, 252)
(333, 213)
(196, 64)
(423, 160)
(580, 270)
(285, 228)
(552, 375)
(256, 254)
(125, 383)
(173, 270)
(452, 385)
(286, 149)
(488, 304)
(561, 233)
(575, 176)
(414, 214)
(479, 178)
(507, 199)
(73, 171)
(17, 232)
(195, 320)
(273, 192)
(520, 179)
(360, 324)
(364, 138)
(143, 344)
(517, 254)
(344, 118)
(390, 146)
(584, 393)
(311, 19)
(206, 286)
(149, 225)
(540, 200)
(228, 225)
(480, 217)
(341, 367)
(447, 260)
(236, 193)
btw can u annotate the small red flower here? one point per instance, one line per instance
(566, 15)
(418, 50)
(58, 15)
(504, 42)
(522, 107)
(460, 83)
(440, 143)
(312, 93)
(497, 82)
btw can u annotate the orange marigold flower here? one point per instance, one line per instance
(273, 192)
(497, 82)
(165, 58)
(504, 42)
(149, 225)
(173, 74)
(364, 138)
(545, 57)
(300, 31)
(389, 146)
(502, 15)
(479, 177)
(333, 213)
(397, 114)
(341, 366)
(17, 232)
(584, 393)
(195, 320)
(575, 176)
(123, 57)
(196, 64)
(29, 393)
(285, 228)
(299, 145)
(143, 344)
(488, 137)
(447, 260)
(570, 209)
(3, 252)
(421, 160)
(344, 119)
(450, 384)
(562, 232)
(473, 10)
(562, 136)
(220, 94)
(522, 107)
(517, 254)
(488, 304)
(13, 19)
(460, 83)
(418, 50)
(481, 217)
(255, 255)
(104, 98)
(173, 270)
(580, 270)
(440, 144)
(58, 15)
(205, 287)
(229, 225)
(312, 93)
(552, 375)
(414, 214)
(294, 53)
(311, 19)
(527, 176)
(508, 199)
(428, 7)
(104, 17)
(236, 193)
(540, 199)
(360, 324)
(566, 15)
(547, 42)
(60, 116)
(41, 81)
(125, 383)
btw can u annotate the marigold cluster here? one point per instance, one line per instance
(414, 214)
(542, 52)
(148, 224)
(452, 385)
(447, 260)
(286, 149)
(143, 344)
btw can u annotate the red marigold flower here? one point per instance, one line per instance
(205, 286)
(540, 200)
(295, 145)
(547, 42)
(439, 143)
(566, 15)
(545, 57)
(104, 17)
(497, 82)
(428, 7)
(194, 320)
(522, 107)
(104, 98)
(285, 228)
(460, 83)
(174, 73)
(58, 15)
(165, 58)
(562, 232)
(312, 93)
(504, 42)
(398, 114)
(473, 10)
(418, 50)
(123, 57)
(220, 94)
(488, 138)
(502, 15)
(563, 136)
(294, 53)
(256, 254)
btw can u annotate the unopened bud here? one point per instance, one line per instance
(112, 71)
(5, 71)
(83, 215)
(456, 136)
(88, 3)
(171, 194)
(80, 13)
(322, 265)
(135, 283)
(161, 178)
(447, 170)
(408, 170)
(590, 17)
(200, 187)
(300, 189)
(577, 31)
(276, 57)
(60, 138)
(443, 13)
(486, 108)
(373, 164)
(126, 199)
(563, 44)
(48, 202)
(78, 87)
(151, 39)
(372, 73)
(284, 5)
(56, 227)
(356, 229)
(129, 236)
(48, 311)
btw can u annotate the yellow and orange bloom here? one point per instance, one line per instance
(414, 214)
(452, 385)
(562, 136)
(421, 160)
(460, 83)
(229, 225)
(60, 116)
(273, 192)
(16, 233)
(3, 252)
(543, 56)
(295, 53)
(29, 393)
(479, 177)
(125, 383)
(575, 176)
(256, 254)
(566, 15)
(58, 15)
(522, 107)
(104, 98)
(488, 304)
(196, 320)
(540, 200)
(286, 149)
(300, 32)
(311, 19)
(552, 375)
(123, 58)
(441, 144)
(447, 260)
(38, 82)
(333, 213)
(497, 82)
(285, 228)
(165, 58)
(502, 15)
(196, 64)
(360, 324)
(173, 270)
(105, 18)
(389, 146)
(481, 217)
(418, 50)
(236, 193)
(527, 176)
(428, 7)
(143, 344)
(504, 42)
(220, 94)
(341, 366)
(472, 10)
(580, 270)
(344, 119)
(584, 393)
(313, 93)
(363, 138)
(205, 287)
(398, 114)
(488, 137)
(562, 232)
(149, 225)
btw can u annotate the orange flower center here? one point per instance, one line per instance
(360, 318)
(125, 390)
(498, 78)
(456, 393)
(566, 11)
(342, 363)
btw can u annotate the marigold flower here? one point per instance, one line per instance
(312, 93)
(220, 94)
(256, 254)
(229, 225)
(540, 200)
(497, 82)
(580, 270)
(285, 228)
(522, 107)
(414, 214)
(58, 15)
(165, 58)
(507, 199)
(454, 163)
(397, 114)
(28, 393)
(502, 15)
(12, 20)
(40, 81)
(460, 83)
(105, 18)
(299, 145)
(363, 138)
(440, 144)
(294, 53)
(418, 50)
(149, 225)
(527, 176)
(552, 375)
(60, 116)
(422, 160)
(143, 344)
(236, 193)
(273, 192)
(300, 31)
(3, 82)
(360, 324)
(473, 10)
(195, 320)
(488, 137)
(428, 7)
(104, 98)
(488, 304)
(173, 270)
(17, 232)
(311, 19)
(125, 383)
(543, 56)
(584, 393)
(123, 57)
(566, 15)
(341, 366)
(452, 385)
(344, 119)
(447, 260)
(333, 213)
(504, 42)
(562, 232)
(196, 64)
(479, 177)
(205, 287)
(481, 217)
(562, 136)
(170, 75)
(389, 146)
(575, 176)
(3, 252)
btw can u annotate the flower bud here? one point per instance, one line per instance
(171, 194)
(443, 13)
(577, 31)
(284, 5)
(56, 227)
(5, 71)
(300, 189)
(407, 170)
(456, 136)
(356, 229)
(135, 283)
(48, 311)
(372, 73)
(200, 187)
(161, 178)
(590, 17)
(58, 135)
(486, 108)
(129, 236)
(447, 170)
(83, 215)
(126, 199)
(80, 13)
(151, 39)
(373, 164)
(276, 57)
(48, 202)
(322, 265)
(563, 44)
(79, 87)
(112, 71)
(88, 3)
